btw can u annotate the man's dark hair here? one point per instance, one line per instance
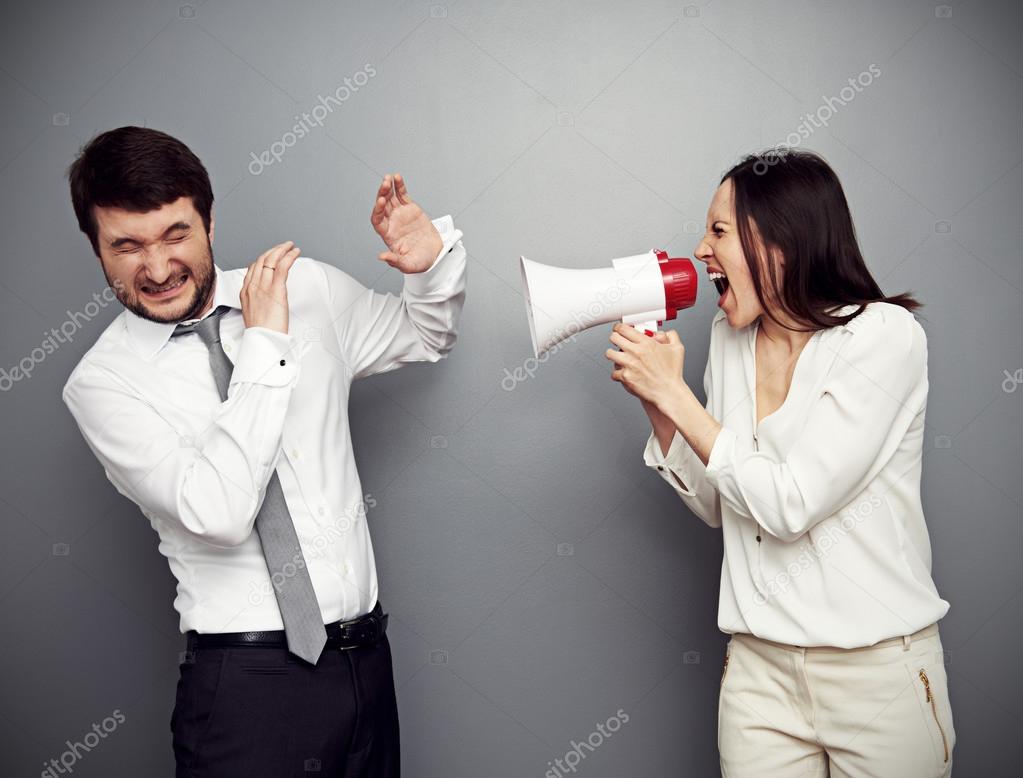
(137, 169)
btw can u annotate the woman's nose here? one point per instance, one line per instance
(702, 251)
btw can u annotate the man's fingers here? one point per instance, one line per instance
(284, 265)
(379, 211)
(266, 277)
(400, 190)
(257, 266)
(673, 337)
(280, 267)
(248, 278)
(268, 252)
(380, 204)
(277, 253)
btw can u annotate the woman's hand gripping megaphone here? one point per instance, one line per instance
(648, 366)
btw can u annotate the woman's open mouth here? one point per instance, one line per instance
(165, 290)
(721, 283)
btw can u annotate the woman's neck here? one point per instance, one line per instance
(781, 338)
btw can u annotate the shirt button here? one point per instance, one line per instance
(294, 453)
(320, 510)
(282, 363)
(227, 347)
(660, 468)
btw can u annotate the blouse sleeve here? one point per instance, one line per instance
(683, 470)
(876, 386)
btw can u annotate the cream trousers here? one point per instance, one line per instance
(870, 712)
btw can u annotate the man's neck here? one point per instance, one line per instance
(209, 303)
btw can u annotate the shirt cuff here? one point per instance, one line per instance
(719, 462)
(673, 467)
(267, 357)
(443, 271)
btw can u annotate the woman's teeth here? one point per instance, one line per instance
(720, 281)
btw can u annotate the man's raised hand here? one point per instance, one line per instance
(264, 296)
(412, 241)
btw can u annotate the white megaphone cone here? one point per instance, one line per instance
(643, 290)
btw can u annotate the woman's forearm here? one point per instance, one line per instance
(686, 414)
(664, 429)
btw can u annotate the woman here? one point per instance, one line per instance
(807, 456)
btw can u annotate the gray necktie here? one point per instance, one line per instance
(296, 599)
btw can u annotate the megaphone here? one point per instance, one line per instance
(644, 290)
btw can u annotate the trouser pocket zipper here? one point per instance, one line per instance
(934, 710)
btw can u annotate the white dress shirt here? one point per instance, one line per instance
(148, 407)
(830, 482)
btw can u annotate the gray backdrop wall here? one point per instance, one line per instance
(538, 576)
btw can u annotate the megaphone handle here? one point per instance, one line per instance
(649, 328)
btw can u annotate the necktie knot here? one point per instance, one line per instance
(207, 329)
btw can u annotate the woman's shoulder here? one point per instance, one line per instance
(884, 335)
(880, 319)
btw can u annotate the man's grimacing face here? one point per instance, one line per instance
(159, 263)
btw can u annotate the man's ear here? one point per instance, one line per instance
(212, 223)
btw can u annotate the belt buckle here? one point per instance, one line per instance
(372, 622)
(363, 621)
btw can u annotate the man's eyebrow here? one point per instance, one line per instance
(176, 226)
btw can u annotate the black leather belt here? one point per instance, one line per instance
(362, 631)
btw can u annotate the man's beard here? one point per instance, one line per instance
(203, 279)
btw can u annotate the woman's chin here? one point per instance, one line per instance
(737, 320)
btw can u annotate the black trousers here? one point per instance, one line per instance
(254, 712)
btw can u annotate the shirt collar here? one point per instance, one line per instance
(148, 337)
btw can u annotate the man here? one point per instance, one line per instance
(217, 402)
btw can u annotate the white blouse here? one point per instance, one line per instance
(825, 542)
